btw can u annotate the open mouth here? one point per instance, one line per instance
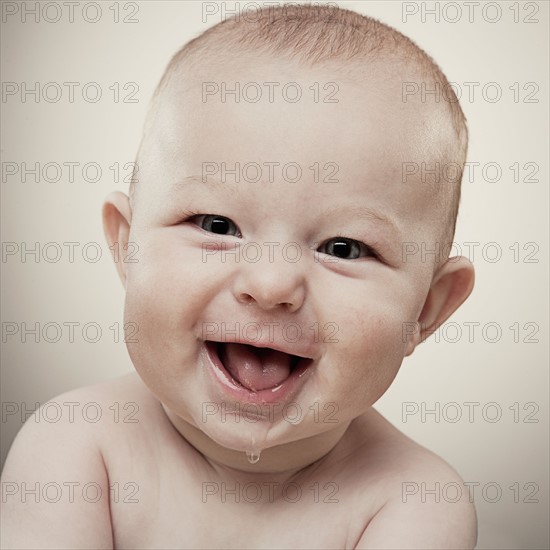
(258, 368)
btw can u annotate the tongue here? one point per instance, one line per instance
(256, 368)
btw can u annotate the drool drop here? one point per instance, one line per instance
(253, 456)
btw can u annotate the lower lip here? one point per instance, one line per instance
(281, 393)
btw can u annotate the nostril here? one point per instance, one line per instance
(248, 299)
(245, 298)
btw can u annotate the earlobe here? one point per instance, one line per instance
(452, 284)
(117, 218)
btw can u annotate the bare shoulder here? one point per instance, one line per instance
(426, 503)
(87, 416)
(55, 480)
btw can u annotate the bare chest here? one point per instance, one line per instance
(159, 508)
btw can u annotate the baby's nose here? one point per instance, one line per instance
(269, 301)
(270, 285)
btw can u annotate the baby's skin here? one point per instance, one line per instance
(271, 316)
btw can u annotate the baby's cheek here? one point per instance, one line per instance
(377, 329)
(166, 285)
(378, 352)
(157, 295)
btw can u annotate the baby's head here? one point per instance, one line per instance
(268, 218)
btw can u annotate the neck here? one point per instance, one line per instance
(276, 463)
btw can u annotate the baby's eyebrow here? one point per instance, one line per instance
(210, 182)
(362, 212)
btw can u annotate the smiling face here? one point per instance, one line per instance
(311, 265)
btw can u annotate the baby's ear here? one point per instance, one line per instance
(117, 218)
(452, 284)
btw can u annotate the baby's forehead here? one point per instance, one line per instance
(256, 86)
(319, 151)
(358, 114)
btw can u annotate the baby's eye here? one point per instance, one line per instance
(217, 224)
(346, 249)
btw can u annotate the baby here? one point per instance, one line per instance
(269, 306)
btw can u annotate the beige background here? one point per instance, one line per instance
(502, 212)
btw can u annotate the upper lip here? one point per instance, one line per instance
(291, 348)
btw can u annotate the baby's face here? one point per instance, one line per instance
(312, 267)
